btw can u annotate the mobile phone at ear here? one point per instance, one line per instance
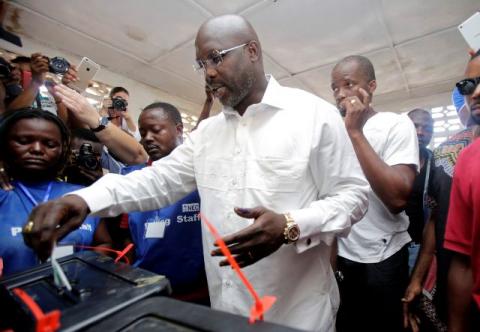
(470, 30)
(86, 70)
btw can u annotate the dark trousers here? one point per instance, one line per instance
(371, 294)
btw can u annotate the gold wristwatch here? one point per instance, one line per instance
(291, 231)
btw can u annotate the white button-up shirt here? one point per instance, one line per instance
(289, 153)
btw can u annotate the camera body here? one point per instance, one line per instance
(86, 157)
(119, 104)
(84, 166)
(58, 65)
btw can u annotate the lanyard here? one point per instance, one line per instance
(31, 198)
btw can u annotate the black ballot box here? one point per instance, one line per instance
(170, 315)
(100, 287)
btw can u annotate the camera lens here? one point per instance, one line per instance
(58, 65)
(90, 163)
(119, 104)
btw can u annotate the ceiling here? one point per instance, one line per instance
(414, 45)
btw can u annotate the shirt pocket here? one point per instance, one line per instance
(275, 175)
(213, 173)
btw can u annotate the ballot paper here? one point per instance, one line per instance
(59, 277)
(60, 251)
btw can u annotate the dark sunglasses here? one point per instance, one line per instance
(468, 85)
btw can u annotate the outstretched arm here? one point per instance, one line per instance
(162, 184)
(121, 144)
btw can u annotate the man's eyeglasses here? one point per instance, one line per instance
(214, 59)
(467, 86)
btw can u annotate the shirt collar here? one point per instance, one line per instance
(272, 97)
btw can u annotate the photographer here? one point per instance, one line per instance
(26, 77)
(32, 77)
(123, 149)
(84, 166)
(116, 108)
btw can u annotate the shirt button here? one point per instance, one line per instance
(309, 241)
(234, 182)
(237, 150)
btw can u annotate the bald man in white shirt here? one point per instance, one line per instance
(277, 176)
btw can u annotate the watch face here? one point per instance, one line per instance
(293, 233)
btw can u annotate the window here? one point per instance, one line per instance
(446, 123)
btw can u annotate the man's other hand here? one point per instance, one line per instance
(410, 320)
(256, 241)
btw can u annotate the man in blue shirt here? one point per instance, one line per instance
(168, 241)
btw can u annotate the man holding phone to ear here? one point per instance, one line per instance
(373, 259)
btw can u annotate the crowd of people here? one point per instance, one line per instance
(340, 211)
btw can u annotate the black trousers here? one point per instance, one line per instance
(371, 294)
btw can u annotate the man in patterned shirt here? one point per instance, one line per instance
(444, 160)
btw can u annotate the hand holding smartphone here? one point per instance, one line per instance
(86, 70)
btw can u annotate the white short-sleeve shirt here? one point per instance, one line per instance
(380, 234)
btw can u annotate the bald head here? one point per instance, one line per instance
(364, 65)
(228, 51)
(228, 29)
